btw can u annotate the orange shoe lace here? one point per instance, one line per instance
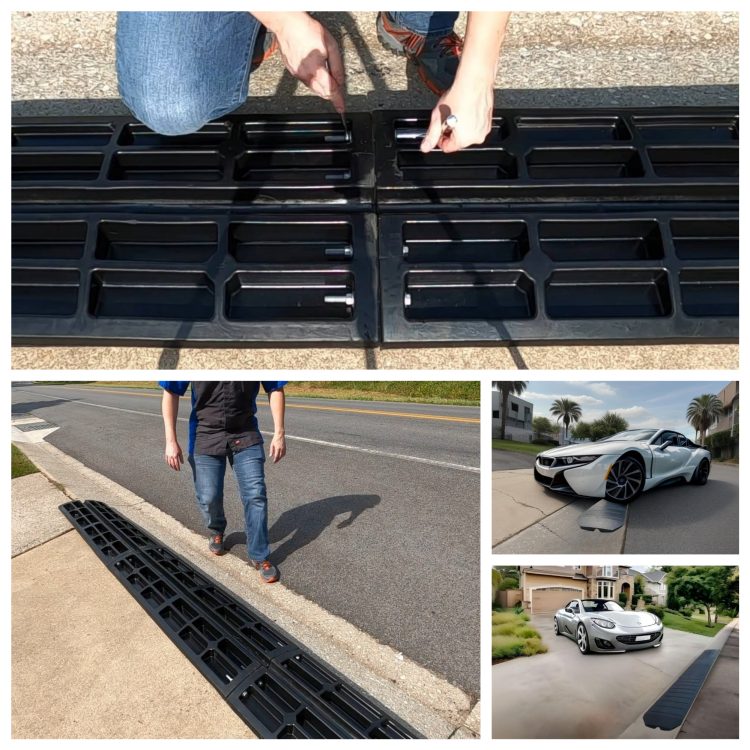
(451, 45)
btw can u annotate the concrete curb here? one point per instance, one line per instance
(432, 705)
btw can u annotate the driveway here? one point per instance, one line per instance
(594, 696)
(680, 518)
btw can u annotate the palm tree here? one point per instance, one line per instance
(702, 412)
(506, 387)
(567, 410)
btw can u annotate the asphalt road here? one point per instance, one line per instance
(377, 520)
(509, 460)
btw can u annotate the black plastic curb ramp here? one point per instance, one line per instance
(603, 515)
(277, 687)
(671, 709)
(157, 278)
(564, 226)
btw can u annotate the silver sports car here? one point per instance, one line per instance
(603, 626)
(620, 467)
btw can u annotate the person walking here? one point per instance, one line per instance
(179, 70)
(223, 427)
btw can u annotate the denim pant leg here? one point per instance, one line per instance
(178, 70)
(208, 476)
(248, 468)
(424, 23)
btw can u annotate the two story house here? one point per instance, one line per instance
(547, 588)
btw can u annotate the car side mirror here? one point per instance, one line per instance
(569, 610)
(665, 445)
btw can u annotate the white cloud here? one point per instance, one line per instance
(601, 389)
(638, 416)
(582, 399)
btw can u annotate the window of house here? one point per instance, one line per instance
(605, 590)
(606, 570)
(496, 413)
(514, 407)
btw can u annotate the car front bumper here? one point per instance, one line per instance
(618, 640)
(587, 480)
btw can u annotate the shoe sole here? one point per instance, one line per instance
(391, 44)
(219, 553)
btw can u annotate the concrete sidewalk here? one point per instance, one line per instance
(87, 661)
(63, 64)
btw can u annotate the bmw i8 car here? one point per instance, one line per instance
(603, 626)
(620, 467)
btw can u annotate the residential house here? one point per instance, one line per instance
(547, 588)
(518, 418)
(654, 584)
(729, 396)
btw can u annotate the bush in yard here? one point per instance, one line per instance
(623, 597)
(527, 632)
(656, 610)
(507, 646)
(534, 646)
(500, 617)
(676, 612)
(648, 599)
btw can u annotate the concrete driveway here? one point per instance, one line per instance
(563, 694)
(679, 518)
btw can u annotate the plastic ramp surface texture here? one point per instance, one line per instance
(270, 680)
(607, 225)
(670, 711)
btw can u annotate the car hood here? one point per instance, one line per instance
(593, 449)
(627, 619)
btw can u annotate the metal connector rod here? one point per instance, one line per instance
(339, 299)
(337, 252)
(407, 300)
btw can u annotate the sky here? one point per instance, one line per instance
(659, 404)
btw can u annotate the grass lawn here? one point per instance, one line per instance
(20, 466)
(517, 447)
(512, 636)
(692, 625)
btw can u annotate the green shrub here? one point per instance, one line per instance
(534, 646)
(648, 598)
(501, 617)
(507, 646)
(655, 610)
(505, 628)
(507, 583)
(526, 632)
(544, 441)
(676, 612)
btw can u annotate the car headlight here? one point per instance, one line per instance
(608, 624)
(579, 459)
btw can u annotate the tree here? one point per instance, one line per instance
(706, 586)
(542, 426)
(503, 578)
(506, 387)
(567, 410)
(638, 584)
(582, 431)
(702, 412)
(607, 425)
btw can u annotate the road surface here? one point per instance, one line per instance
(373, 514)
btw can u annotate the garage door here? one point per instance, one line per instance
(547, 601)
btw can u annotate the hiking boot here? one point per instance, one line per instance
(216, 544)
(268, 571)
(265, 46)
(435, 55)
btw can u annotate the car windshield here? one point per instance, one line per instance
(631, 435)
(601, 605)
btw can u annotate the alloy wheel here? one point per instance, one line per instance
(624, 480)
(703, 470)
(554, 623)
(582, 639)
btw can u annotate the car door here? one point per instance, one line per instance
(572, 609)
(670, 460)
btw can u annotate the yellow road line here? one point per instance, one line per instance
(352, 410)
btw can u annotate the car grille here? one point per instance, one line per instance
(631, 638)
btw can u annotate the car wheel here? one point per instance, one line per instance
(557, 629)
(582, 639)
(700, 475)
(625, 480)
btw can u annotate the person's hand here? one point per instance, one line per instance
(173, 455)
(277, 451)
(311, 55)
(472, 106)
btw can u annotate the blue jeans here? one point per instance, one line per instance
(208, 475)
(178, 70)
